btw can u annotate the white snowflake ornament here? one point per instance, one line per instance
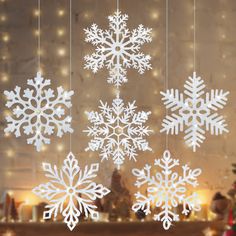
(70, 191)
(197, 111)
(166, 190)
(38, 111)
(118, 131)
(118, 48)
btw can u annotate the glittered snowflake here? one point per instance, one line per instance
(196, 111)
(166, 190)
(38, 111)
(118, 48)
(70, 191)
(118, 131)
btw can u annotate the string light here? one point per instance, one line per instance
(60, 147)
(36, 32)
(4, 57)
(3, 18)
(155, 73)
(36, 12)
(223, 36)
(64, 71)
(10, 153)
(155, 15)
(61, 52)
(5, 38)
(87, 15)
(157, 111)
(40, 53)
(44, 148)
(8, 173)
(60, 12)
(4, 78)
(60, 32)
(223, 16)
(7, 135)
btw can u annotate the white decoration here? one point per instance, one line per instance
(166, 190)
(118, 48)
(70, 191)
(118, 131)
(38, 111)
(196, 112)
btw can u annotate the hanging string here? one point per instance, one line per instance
(39, 33)
(70, 63)
(117, 5)
(167, 59)
(194, 34)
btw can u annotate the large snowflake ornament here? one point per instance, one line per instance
(118, 48)
(70, 191)
(118, 131)
(197, 111)
(39, 111)
(166, 190)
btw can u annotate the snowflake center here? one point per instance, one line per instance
(118, 130)
(38, 112)
(118, 49)
(71, 191)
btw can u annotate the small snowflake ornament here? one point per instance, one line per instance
(118, 48)
(196, 111)
(70, 191)
(38, 112)
(166, 190)
(118, 131)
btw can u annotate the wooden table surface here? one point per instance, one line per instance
(108, 229)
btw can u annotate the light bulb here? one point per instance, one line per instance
(4, 78)
(155, 73)
(61, 52)
(3, 18)
(60, 32)
(60, 147)
(5, 38)
(36, 12)
(64, 71)
(10, 153)
(155, 15)
(60, 12)
(37, 32)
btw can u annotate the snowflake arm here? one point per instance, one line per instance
(144, 177)
(172, 124)
(173, 99)
(194, 136)
(117, 22)
(216, 124)
(216, 99)
(141, 35)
